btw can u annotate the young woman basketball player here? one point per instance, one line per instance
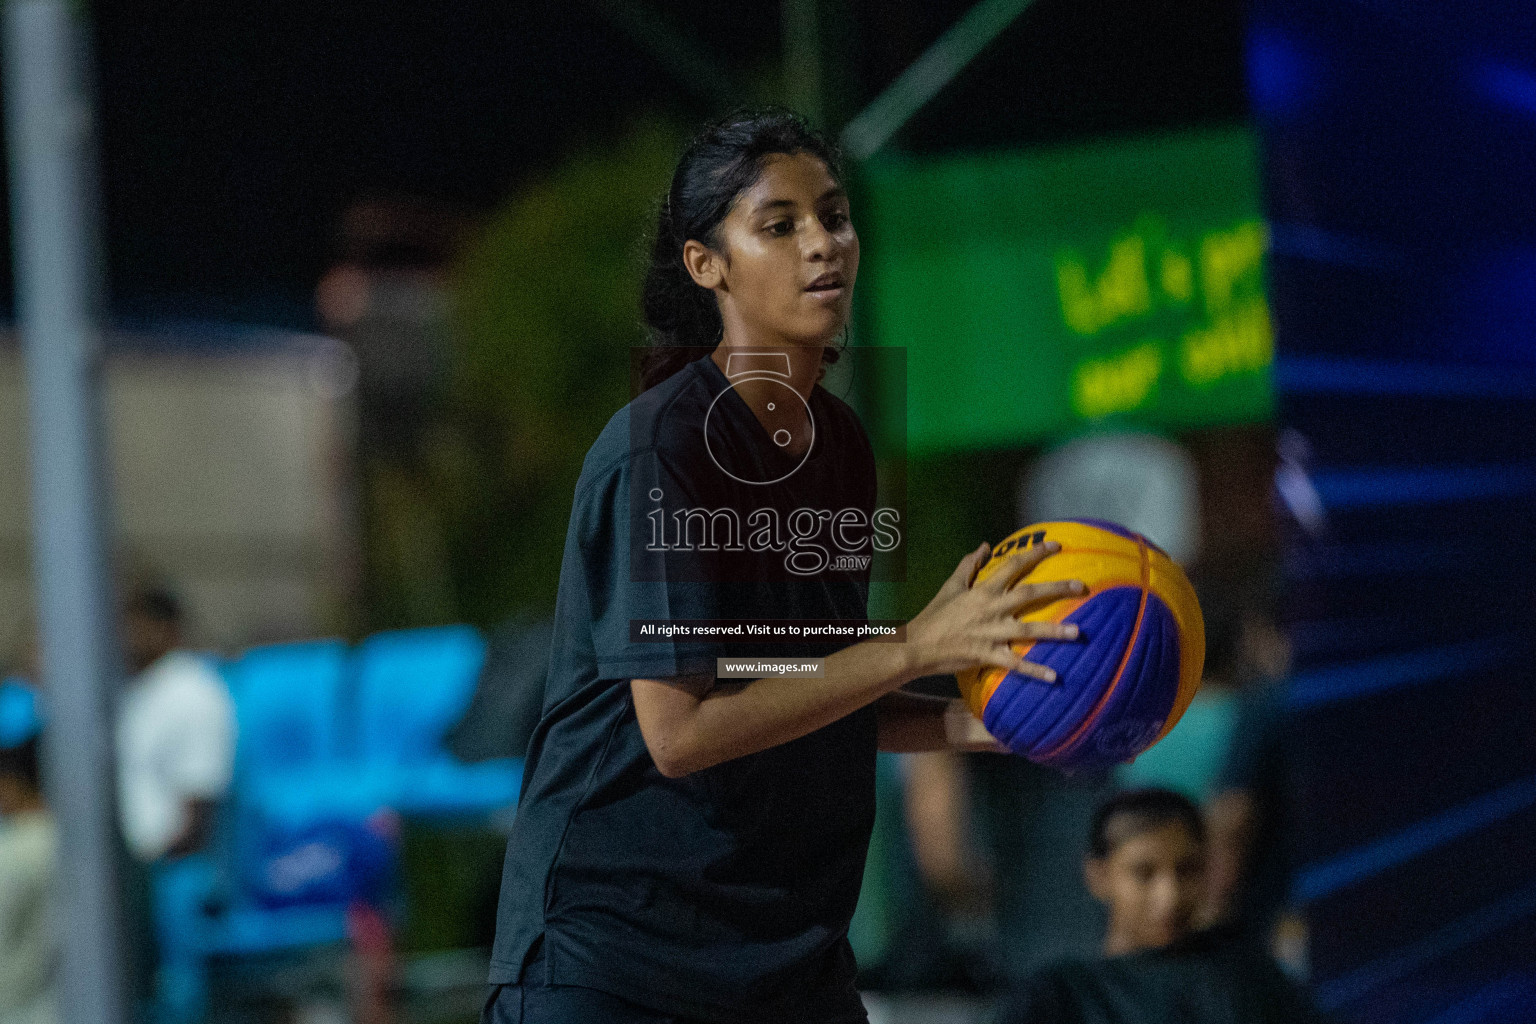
(688, 848)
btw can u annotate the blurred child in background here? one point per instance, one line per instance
(1146, 864)
(29, 946)
(175, 734)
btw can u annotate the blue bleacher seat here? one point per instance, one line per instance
(299, 838)
(412, 686)
(331, 744)
(20, 714)
(288, 700)
(292, 771)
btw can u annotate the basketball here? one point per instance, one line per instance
(1124, 683)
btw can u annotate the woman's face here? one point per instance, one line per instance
(1151, 884)
(786, 255)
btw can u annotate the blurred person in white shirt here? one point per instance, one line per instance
(175, 734)
(29, 941)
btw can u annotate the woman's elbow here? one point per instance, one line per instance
(672, 755)
(667, 712)
(671, 769)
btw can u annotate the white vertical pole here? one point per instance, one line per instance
(58, 296)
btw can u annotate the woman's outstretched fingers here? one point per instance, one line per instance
(967, 568)
(1049, 630)
(1015, 631)
(972, 622)
(1024, 667)
(1019, 565)
(1034, 593)
(1007, 657)
(973, 562)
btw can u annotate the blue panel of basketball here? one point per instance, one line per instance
(1140, 703)
(1033, 716)
(1124, 682)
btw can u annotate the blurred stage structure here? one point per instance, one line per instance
(1400, 155)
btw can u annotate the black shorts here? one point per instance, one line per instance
(535, 1001)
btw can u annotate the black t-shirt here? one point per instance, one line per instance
(725, 894)
(1212, 977)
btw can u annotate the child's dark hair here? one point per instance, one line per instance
(723, 160)
(22, 762)
(155, 603)
(1137, 811)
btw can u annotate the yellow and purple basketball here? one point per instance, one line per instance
(1130, 674)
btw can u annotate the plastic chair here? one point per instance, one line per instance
(20, 715)
(303, 836)
(288, 701)
(412, 687)
(292, 772)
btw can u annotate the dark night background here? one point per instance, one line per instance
(233, 135)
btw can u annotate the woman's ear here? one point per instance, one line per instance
(704, 264)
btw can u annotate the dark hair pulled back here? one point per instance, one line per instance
(1137, 811)
(723, 161)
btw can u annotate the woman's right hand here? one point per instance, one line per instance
(969, 624)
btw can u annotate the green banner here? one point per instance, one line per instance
(1038, 294)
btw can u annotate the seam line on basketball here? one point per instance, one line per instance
(1125, 659)
(994, 676)
(1087, 551)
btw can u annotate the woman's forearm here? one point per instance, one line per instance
(695, 723)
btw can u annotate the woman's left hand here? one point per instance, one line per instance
(964, 731)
